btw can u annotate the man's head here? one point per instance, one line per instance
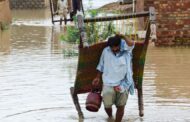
(114, 43)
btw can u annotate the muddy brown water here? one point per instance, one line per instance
(35, 77)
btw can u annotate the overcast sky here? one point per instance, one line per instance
(96, 3)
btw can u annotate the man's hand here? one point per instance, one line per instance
(117, 88)
(127, 40)
(96, 81)
(120, 35)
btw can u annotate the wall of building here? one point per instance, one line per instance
(28, 4)
(173, 21)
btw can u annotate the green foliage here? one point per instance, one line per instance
(92, 32)
(108, 30)
(95, 31)
(72, 35)
(98, 31)
(69, 52)
(93, 13)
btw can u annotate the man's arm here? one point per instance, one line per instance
(96, 80)
(127, 40)
(100, 69)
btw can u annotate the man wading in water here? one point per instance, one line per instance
(62, 10)
(115, 68)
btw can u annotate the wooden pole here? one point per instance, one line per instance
(119, 17)
(110, 18)
(152, 18)
(50, 1)
(76, 103)
(140, 7)
(140, 73)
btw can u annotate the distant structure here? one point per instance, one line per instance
(173, 18)
(173, 21)
(28, 4)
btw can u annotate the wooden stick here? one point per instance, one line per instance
(110, 18)
(76, 103)
(140, 74)
(50, 1)
(119, 17)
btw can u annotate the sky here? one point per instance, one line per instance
(96, 3)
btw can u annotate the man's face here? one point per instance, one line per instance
(115, 49)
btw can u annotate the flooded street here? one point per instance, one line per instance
(35, 78)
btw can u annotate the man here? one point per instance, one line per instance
(76, 5)
(62, 10)
(115, 68)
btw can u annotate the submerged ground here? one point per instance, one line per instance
(35, 78)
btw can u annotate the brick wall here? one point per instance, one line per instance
(27, 4)
(173, 21)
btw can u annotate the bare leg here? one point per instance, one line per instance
(65, 19)
(109, 112)
(119, 113)
(61, 21)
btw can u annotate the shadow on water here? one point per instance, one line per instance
(36, 76)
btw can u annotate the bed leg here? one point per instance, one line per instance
(140, 101)
(76, 103)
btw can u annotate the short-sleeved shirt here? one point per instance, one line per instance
(117, 69)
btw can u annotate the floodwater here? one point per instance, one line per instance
(35, 78)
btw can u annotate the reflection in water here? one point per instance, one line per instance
(172, 68)
(28, 37)
(5, 41)
(39, 17)
(56, 43)
(68, 49)
(35, 78)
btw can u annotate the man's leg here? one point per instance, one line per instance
(65, 19)
(121, 99)
(109, 112)
(108, 96)
(61, 20)
(119, 113)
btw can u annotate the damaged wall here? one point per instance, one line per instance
(27, 4)
(173, 21)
